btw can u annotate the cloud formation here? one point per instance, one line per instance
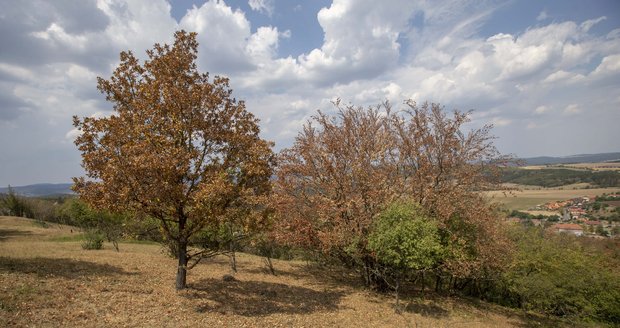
(533, 83)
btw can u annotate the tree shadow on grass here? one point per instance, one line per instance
(521, 318)
(427, 310)
(330, 275)
(257, 298)
(5, 234)
(60, 267)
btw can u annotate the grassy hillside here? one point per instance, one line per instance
(47, 280)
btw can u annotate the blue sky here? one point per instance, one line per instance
(545, 73)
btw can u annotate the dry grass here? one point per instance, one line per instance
(50, 283)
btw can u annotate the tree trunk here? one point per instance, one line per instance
(398, 309)
(231, 248)
(182, 268)
(269, 265)
(233, 261)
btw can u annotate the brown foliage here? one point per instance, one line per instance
(342, 171)
(178, 148)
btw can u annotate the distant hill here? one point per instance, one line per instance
(41, 189)
(583, 158)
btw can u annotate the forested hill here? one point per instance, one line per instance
(41, 189)
(583, 158)
(556, 177)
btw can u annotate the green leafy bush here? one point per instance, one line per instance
(404, 241)
(93, 240)
(111, 226)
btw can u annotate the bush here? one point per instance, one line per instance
(109, 225)
(93, 240)
(404, 241)
(558, 275)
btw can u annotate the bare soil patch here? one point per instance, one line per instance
(45, 282)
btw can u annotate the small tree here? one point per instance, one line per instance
(179, 148)
(98, 225)
(404, 241)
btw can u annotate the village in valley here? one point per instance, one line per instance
(589, 215)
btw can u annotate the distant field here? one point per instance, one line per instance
(583, 185)
(597, 166)
(525, 199)
(604, 166)
(47, 280)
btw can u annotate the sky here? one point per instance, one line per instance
(545, 73)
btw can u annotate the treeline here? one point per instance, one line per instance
(528, 216)
(560, 177)
(42, 209)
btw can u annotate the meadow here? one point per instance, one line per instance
(48, 280)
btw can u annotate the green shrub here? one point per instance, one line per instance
(404, 241)
(93, 240)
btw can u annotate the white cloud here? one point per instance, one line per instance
(17, 72)
(587, 25)
(541, 109)
(500, 121)
(542, 16)
(609, 66)
(263, 6)
(226, 43)
(57, 34)
(137, 25)
(572, 109)
(563, 76)
(361, 40)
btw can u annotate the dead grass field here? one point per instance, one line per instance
(46, 282)
(528, 198)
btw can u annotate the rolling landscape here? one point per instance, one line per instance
(45, 270)
(327, 163)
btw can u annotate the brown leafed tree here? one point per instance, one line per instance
(178, 148)
(333, 181)
(343, 170)
(444, 169)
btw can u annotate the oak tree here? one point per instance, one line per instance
(178, 148)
